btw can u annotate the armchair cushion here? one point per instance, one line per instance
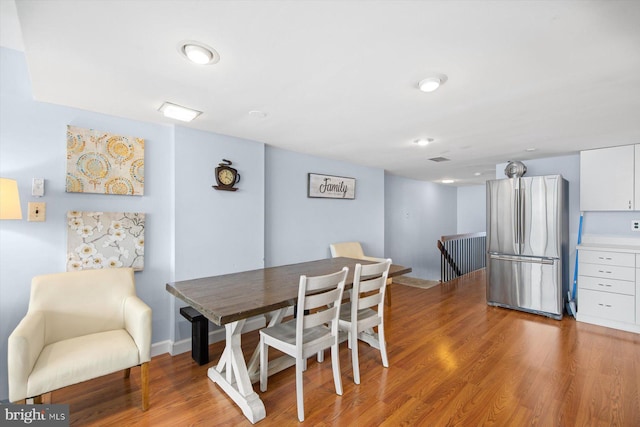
(82, 358)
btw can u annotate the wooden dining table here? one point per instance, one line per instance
(229, 300)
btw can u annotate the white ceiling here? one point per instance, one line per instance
(338, 79)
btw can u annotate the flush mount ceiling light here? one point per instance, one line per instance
(178, 112)
(531, 149)
(258, 114)
(432, 82)
(423, 142)
(198, 53)
(447, 181)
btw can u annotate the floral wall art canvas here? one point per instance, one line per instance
(104, 163)
(105, 240)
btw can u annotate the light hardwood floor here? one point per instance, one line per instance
(453, 361)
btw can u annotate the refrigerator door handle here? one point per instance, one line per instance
(521, 209)
(530, 260)
(516, 219)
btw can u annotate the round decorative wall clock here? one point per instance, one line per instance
(226, 176)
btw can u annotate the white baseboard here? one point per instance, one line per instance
(629, 327)
(161, 347)
(183, 346)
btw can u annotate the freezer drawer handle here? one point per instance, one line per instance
(546, 261)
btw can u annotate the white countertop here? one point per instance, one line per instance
(597, 242)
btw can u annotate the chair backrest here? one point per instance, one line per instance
(346, 249)
(369, 284)
(83, 302)
(319, 299)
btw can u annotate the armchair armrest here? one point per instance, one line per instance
(137, 321)
(24, 346)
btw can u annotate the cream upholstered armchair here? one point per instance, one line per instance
(79, 325)
(354, 250)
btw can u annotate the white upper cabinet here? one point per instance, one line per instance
(607, 179)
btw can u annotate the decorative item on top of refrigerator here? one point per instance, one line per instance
(527, 243)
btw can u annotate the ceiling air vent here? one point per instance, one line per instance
(439, 159)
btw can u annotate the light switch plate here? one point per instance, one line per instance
(635, 225)
(37, 211)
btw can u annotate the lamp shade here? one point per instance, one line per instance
(9, 199)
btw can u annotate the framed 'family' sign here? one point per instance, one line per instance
(331, 187)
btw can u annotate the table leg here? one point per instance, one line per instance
(370, 337)
(232, 376)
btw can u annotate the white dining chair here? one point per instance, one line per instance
(318, 305)
(365, 311)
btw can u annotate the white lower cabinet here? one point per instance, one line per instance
(620, 308)
(609, 289)
(607, 285)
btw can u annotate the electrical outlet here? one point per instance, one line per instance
(635, 225)
(37, 187)
(37, 211)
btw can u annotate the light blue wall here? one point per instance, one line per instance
(472, 212)
(218, 232)
(299, 228)
(33, 144)
(417, 214)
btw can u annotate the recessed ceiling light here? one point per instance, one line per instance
(431, 83)
(178, 112)
(198, 53)
(447, 181)
(423, 141)
(531, 149)
(478, 173)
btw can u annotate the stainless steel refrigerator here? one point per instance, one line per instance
(527, 244)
